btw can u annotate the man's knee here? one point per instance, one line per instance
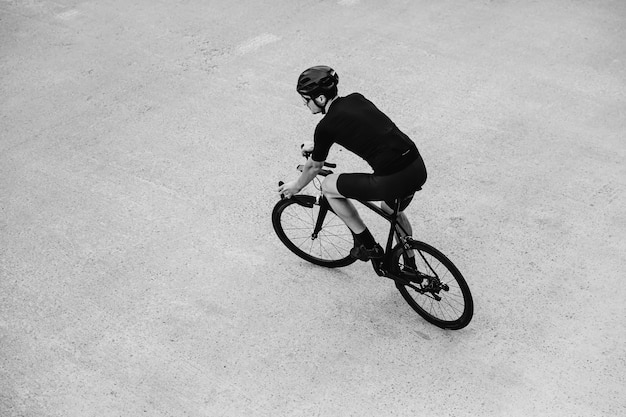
(329, 186)
(325, 186)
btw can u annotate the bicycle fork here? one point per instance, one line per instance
(321, 216)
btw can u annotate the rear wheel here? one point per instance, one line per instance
(437, 290)
(295, 225)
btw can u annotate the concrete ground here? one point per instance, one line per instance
(140, 147)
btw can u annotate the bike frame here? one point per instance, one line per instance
(383, 268)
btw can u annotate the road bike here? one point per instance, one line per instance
(436, 289)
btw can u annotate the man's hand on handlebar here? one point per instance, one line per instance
(309, 171)
(288, 189)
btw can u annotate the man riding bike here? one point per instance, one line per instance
(359, 126)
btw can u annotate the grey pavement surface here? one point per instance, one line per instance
(140, 147)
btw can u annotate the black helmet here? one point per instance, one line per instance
(318, 80)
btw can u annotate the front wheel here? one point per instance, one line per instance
(436, 289)
(313, 232)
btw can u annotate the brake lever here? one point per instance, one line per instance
(282, 196)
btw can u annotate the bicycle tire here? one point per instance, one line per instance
(294, 223)
(456, 308)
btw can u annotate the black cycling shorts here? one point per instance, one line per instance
(371, 187)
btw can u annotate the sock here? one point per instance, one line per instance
(366, 239)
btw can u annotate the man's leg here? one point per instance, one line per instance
(402, 220)
(348, 213)
(341, 205)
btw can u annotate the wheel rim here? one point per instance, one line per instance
(436, 276)
(332, 243)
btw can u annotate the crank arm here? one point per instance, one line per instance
(409, 284)
(405, 282)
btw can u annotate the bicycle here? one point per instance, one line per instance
(436, 289)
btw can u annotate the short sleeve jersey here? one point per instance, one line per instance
(358, 125)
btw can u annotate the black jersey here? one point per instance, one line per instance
(358, 125)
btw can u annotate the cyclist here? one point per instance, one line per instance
(359, 126)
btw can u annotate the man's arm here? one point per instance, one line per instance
(309, 171)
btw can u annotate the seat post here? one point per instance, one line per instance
(396, 209)
(394, 224)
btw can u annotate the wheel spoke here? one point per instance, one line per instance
(330, 247)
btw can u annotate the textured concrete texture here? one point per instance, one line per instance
(140, 147)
